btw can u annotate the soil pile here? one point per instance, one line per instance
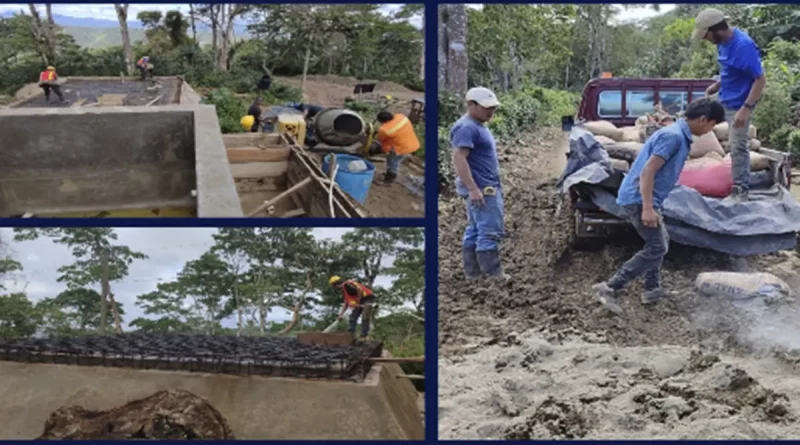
(549, 295)
(166, 415)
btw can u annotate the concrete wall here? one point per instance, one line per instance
(380, 408)
(74, 159)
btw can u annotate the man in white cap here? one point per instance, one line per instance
(741, 82)
(478, 182)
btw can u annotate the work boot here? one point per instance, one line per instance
(389, 178)
(607, 296)
(472, 269)
(654, 295)
(489, 263)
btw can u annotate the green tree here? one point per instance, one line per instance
(98, 260)
(74, 311)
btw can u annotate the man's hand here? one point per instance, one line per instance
(741, 117)
(476, 197)
(710, 91)
(650, 217)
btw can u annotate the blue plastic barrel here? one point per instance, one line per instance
(355, 184)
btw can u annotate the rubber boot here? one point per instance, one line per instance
(472, 269)
(489, 262)
(389, 178)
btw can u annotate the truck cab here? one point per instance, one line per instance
(622, 100)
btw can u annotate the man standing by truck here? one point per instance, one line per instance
(478, 182)
(648, 183)
(740, 85)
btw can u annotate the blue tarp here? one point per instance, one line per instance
(768, 222)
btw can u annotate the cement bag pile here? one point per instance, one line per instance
(604, 128)
(705, 144)
(625, 151)
(710, 175)
(743, 286)
(722, 131)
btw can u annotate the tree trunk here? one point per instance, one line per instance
(262, 318)
(454, 48)
(104, 291)
(239, 312)
(194, 26)
(115, 312)
(305, 69)
(122, 16)
(41, 33)
(50, 31)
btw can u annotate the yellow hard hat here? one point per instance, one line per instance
(388, 97)
(247, 122)
(334, 279)
(51, 68)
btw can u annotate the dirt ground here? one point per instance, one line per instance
(137, 93)
(536, 358)
(331, 91)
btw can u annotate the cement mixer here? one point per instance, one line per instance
(341, 130)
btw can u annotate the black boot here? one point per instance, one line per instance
(472, 269)
(389, 178)
(489, 262)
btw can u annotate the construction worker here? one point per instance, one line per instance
(740, 85)
(648, 183)
(48, 80)
(357, 297)
(255, 112)
(145, 67)
(309, 111)
(478, 182)
(398, 140)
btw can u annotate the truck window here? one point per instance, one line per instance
(609, 104)
(639, 102)
(674, 102)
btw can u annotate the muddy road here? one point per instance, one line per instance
(559, 367)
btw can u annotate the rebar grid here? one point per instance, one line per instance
(267, 356)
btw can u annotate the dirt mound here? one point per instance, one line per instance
(331, 90)
(333, 79)
(166, 415)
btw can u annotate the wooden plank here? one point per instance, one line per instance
(252, 139)
(111, 100)
(325, 338)
(410, 376)
(397, 359)
(259, 169)
(241, 155)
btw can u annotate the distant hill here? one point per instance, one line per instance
(102, 33)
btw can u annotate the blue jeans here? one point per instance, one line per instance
(647, 261)
(393, 162)
(740, 152)
(485, 224)
(364, 309)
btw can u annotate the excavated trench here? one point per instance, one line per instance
(563, 368)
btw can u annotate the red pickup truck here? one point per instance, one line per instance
(622, 100)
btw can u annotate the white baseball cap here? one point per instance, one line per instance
(706, 19)
(483, 96)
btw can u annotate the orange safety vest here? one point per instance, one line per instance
(141, 63)
(47, 76)
(398, 134)
(355, 300)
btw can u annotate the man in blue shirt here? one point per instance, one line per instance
(741, 82)
(648, 183)
(478, 182)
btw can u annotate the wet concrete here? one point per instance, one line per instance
(137, 93)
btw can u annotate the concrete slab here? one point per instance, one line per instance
(135, 92)
(382, 407)
(113, 158)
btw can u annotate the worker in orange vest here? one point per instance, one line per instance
(398, 140)
(145, 67)
(48, 80)
(357, 297)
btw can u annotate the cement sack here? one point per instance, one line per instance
(604, 141)
(721, 130)
(620, 165)
(709, 177)
(712, 158)
(743, 286)
(755, 145)
(705, 144)
(631, 134)
(758, 162)
(604, 128)
(626, 151)
(642, 121)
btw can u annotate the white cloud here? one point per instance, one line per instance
(639, 12)
(168, 250)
